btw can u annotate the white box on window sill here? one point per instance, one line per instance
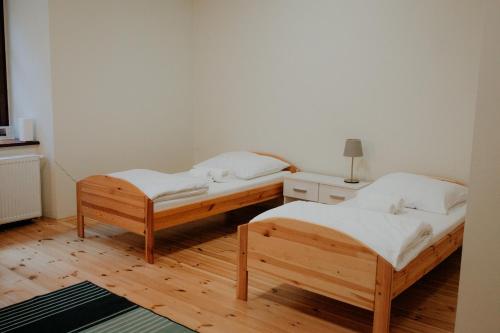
(5, 133)
(25, 129)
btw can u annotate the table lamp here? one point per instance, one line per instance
(352, 149)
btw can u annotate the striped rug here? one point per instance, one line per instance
(83, 307)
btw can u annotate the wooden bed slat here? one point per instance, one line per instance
(117, 220)
(260, 192)
(112, 204)
(110, 182)
(175, 216)
(125, 197)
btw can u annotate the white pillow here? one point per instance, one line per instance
(244, 164)
(420, 192)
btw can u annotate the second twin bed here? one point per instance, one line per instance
(362, 257)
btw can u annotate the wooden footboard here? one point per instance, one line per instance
(331, 263)
(115, 201)
(312, 257)
(318, 259)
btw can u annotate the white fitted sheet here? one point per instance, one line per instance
(399, 239)
(219, 189)
(441, 223)
(162, 185)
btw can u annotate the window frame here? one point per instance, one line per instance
(4, 98)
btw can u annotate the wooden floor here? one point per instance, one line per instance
(193, 279)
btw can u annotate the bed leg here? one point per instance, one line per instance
(80, 225)
(383, 296)
(149, 231)
(242, 273)
(80, 222)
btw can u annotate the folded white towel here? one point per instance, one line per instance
(201, 173)
(216, 175)
(220, 175)
(180, 195)
(397, 238)
(380, 202)
(156, 184)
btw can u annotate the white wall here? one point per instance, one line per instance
(479, 294)
(155, 83)
(299, 77)
(121, 72)
(30, 94)
(118, 75)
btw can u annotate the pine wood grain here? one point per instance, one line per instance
(116, 201)
(193, 279)
(331, 263)
(427, 260)
(315, 258)
(383, 296)
(241, 264)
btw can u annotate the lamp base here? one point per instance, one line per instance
(351, 181)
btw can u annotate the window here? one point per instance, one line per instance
(4, 109)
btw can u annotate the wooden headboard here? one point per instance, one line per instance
(292, 168)
(450, 180)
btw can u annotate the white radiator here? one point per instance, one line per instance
(20, 197)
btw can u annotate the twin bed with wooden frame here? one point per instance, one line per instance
(309, 256)
(333, 264)
(115, 201)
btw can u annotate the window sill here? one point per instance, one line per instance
(16, 143)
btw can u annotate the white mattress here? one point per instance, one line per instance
(441, 223)
(219, 189)
(398, 238)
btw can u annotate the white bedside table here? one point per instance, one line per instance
(320, 188)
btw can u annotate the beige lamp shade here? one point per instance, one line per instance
(353, 148)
